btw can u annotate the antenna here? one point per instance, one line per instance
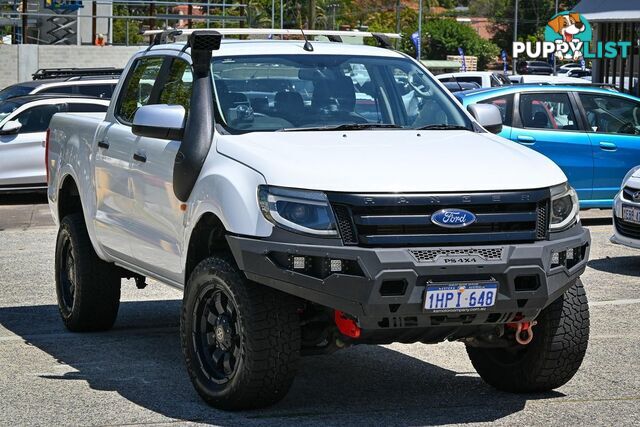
(307, 45)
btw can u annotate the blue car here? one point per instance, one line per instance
(593, 134)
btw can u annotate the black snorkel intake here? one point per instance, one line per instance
(198, 131)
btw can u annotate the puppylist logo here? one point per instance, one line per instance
(568, 36)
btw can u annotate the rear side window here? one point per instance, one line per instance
(505, 105)
(78, 107)
(138, 87)
(547, 111)
(103, 91)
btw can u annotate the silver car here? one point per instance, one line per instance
(23, 126)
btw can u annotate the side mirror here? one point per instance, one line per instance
(488, 116)
(159, 121)
(11, 128)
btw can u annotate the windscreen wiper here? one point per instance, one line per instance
(345, 126)
(443, 126)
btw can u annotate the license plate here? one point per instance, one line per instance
(631, 214)
(464, 296)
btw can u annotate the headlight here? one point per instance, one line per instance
(564, 207)
(301, 211)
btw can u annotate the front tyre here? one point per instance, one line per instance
(241, 340)
(551, 359)
(88, 289)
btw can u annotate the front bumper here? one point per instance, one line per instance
(624, 235)
(362, 295)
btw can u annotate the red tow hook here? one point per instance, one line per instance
(524, 331)
(346, 325)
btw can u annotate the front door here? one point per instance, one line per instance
(546, 122)
(614, 125)
(157, 233)
(22, 154)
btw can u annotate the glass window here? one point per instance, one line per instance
(469, 79)
(139, 84)
(177, 88)
(611, 114)
(15, 90)
(77, 107)
(99, 91)
(7, 108)
(547, 111)
(61, 90)
(37, 119)
(505, 105)
(272, 92)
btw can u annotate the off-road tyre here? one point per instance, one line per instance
(553, 356)
(253, 361)
(88, 289)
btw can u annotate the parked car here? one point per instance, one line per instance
(75, 81)
(564, 68)
(23, 125)
(482, 78)
(460, 86)
(313, 228)
(593, 134)
(538, 79)
(626, 211)
(534, 67)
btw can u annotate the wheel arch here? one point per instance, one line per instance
(207, 238)
(69, 199)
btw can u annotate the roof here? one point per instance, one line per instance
(70, 80)
(440, 63)
(473, 95)
(468, 73)
(234, 47)
(21, 100)
(611, 10)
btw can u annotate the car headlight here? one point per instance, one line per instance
(564, 207)
(301, 211)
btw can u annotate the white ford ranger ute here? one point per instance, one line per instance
(308, 196)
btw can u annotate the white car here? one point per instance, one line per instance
(361, 217)
(483, 78)
(626, 211)
(535, 78)
(23, 126)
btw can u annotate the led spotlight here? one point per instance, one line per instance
(335, 265)
(555, 259)
(298, 263)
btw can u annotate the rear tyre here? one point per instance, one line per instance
(88, 289)
(241, 340)
(551, 359)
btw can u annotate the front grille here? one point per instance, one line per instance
(629, 193)
(627, 229)
(429, 255)
(394, 220)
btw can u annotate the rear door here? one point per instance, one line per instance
(22, 154)
(547, 122)
(157, 232)
(114, 151)
(614, 130)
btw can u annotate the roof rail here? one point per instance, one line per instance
(161, 36)
(53, 73)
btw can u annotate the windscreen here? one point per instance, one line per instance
(276, 92)
(13, 91)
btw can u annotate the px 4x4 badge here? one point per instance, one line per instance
(459, 259)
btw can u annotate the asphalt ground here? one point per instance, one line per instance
(134, 374)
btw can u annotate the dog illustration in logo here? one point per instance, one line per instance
(568, 26)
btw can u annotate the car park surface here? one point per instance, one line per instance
(591, 133)
(134, 374)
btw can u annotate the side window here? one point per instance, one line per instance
(76, 107)
(99, 91)
(37, 119)
(505, 105)
(139, 84)
(177, 88)
(547, 111)
(611, 114)
(67, 90)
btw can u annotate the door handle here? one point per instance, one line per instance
(103, 144)
(526, 139)
(608, 146)
(139, 157)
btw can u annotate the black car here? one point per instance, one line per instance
(534, 67)
(92, 82)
